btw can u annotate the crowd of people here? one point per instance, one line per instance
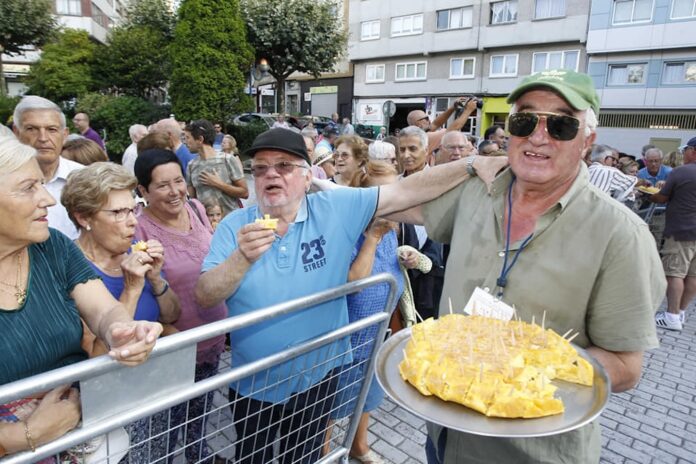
(432, 206)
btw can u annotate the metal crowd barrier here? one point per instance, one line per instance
(114, 396)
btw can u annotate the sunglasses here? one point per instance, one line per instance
(558, 126)
(282, 168)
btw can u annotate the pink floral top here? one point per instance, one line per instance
(184, 253)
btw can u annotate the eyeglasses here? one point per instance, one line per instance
(558, 126)
(343, 155)
(120, 215)
(281, 167)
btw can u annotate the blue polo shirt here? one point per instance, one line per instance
(185, 156)
(314, 255)
(661, 174)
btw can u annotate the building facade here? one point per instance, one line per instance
(424, 54)
(94, 16)
(642, 57)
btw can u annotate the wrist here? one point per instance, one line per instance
(31, 443)
(470, 169)
(160, 289)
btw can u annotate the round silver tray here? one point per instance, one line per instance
(582, 403)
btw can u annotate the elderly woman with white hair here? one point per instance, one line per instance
(46, 286)
(383, 151)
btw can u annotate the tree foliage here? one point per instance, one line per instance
(210, 60)
(295, 35)
(155, 14)
(114, 115)
(23, 23)
(64, 71)
(135, 61)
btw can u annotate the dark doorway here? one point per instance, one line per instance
(399, 118)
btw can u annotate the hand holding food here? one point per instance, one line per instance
(267, 222)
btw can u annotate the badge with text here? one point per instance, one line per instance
(483, 303)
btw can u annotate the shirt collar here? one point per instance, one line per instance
(503, 181)
(301, 215)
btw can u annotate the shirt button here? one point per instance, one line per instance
(501, 254)
(283, 249)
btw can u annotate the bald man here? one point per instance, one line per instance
(433, 129)
(173, 129)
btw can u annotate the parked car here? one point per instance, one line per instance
(250, 118)
(320, 122)
(367, 132)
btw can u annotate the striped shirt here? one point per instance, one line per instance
(612, 181)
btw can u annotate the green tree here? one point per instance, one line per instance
(23, 23)
(295, 35)
(151, 13)
(64, 71)
(135, 61)
(114, 115)
(210, 60)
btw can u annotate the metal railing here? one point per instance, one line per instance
(131, 396)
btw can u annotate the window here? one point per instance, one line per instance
(683, 9)
(632, 11)
(456, 18)
(69, 7)
(549, 9)
(680, 73)
(555, 60)
(626, 74)
(504, 12)
(503, 66)
(411, 71)
(374, 73)
(369, 30)
(462, 68)
(407, 25)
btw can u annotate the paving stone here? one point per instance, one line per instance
(613, 435)
(628, 452)
(409, 418)
(637, 434)
(384, 417)
(413, 449)
(410, 433)
(609, 457)
(389, 452)
(387, 434)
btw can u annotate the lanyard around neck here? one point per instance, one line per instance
(505, 271)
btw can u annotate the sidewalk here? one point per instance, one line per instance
(654, 423)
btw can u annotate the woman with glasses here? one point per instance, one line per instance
(99, 200)
(185, 233)
(350, 156)
(46, 286)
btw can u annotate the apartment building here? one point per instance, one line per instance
(94, 16)
(423, 54)
(642, 57)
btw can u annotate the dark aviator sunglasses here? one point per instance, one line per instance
(559, 126)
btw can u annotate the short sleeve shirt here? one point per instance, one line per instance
(661, 174)
(45, 333)
(680, 189)
(147, 308)
(573, 269)
(226, 168)
(57, 214)
(314, 255)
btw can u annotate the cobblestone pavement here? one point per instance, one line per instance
(654, 423)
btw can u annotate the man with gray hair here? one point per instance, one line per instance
(654, 171)
(608, 179)
(172, 128)
(136, 132)
(454, 145)
(40, 123)
(542, 239)
(421, 120)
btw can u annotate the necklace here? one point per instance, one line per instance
(19, 293)
(91, 258)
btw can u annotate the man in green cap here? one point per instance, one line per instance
(546, 241)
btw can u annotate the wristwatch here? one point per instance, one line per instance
(470, 166)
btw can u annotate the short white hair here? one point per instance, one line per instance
(14, 154)
(379, 150)
(134, 129)
(417, 132)
(35, 103)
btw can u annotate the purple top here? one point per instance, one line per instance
(184, 253)
(94, 137)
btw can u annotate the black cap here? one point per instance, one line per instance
(282, 140)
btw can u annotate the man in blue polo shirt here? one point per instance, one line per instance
(251, 267)
(654, 171)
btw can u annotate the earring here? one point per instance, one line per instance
(88, 227)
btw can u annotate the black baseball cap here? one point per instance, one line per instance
(282, 140)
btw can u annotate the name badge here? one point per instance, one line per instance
(483, 303)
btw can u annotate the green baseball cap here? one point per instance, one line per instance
(576, 88)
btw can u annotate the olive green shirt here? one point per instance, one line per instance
(591, 265)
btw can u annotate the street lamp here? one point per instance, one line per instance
(257, 73)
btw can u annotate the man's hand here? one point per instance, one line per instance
(211, 179)
(487, 167)
(131, 342)
(254, 241)
(380, 227)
